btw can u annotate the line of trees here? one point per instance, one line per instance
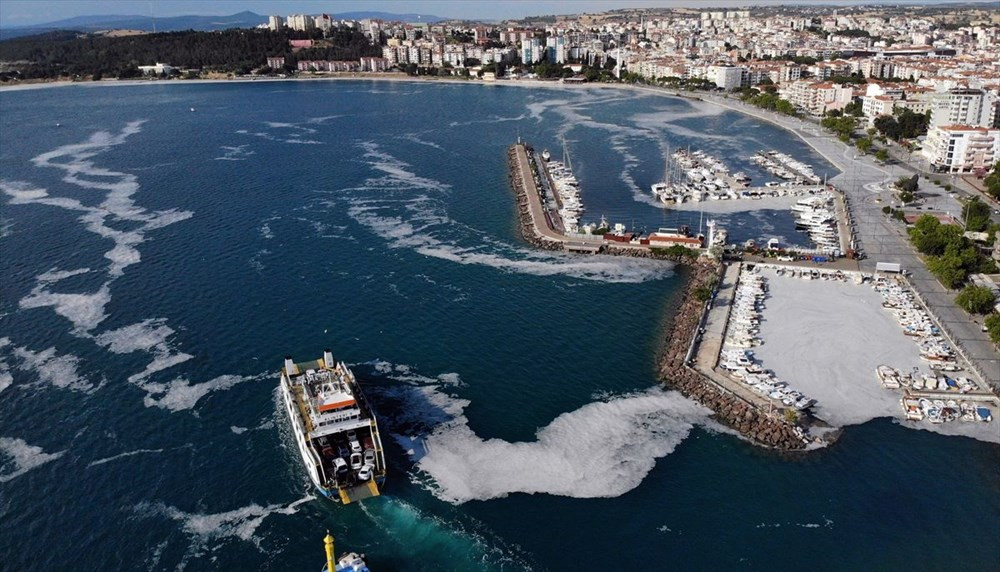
(769, 100)
(58, 54)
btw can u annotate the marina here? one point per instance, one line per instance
(549, 207)
(817, 216)
(786, 167)
(696, 177)
(810, 310)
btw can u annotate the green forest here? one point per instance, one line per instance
(67, 53)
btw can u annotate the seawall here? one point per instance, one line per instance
(729, 409)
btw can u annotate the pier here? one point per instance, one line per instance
(733, 405)
(755, 420)
(542, 227)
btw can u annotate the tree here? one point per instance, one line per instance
(992, 324)
(976, 299)
(976, 215)
(947, 270)
(882, 155)
(993, 181)
(854, 108)
(908, 184)
(864, 144)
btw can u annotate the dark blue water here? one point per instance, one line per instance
(157, 263)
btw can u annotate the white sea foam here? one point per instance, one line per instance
(406, 374)
(292, 126)
(603, 449)
(323, 119)
(412, 222)
(402, 233)
(86, 310)
(21, 458)
(294, 138)
(151, 336)
(124, 455)
(235, 153)
(6, 378)
(60, 371)
(415, 138)
(205, 529)
(180, 394)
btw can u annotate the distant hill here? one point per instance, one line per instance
(176, 23)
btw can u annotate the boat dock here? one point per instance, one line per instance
(541, 223)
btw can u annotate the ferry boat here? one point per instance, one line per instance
(335, 429)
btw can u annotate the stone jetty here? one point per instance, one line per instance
(744, 417)
(522, 181)
(731, 410)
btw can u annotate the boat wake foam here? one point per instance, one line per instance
(21, 458)
(603, 449)
(423, 537)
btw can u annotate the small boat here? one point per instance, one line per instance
(912, 409)
(983, 414)
(888, 376)
(350, 562)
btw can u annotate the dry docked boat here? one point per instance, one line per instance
(335, 429)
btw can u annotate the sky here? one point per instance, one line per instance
(29, 12)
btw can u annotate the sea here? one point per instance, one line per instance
(164, 246)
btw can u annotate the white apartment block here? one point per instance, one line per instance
(275, 23)
(301, 22)
(963, 107)
(818, 97)
(727, 77)
(962, 148)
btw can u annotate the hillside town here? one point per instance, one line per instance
(870, 62)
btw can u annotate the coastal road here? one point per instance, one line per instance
(884, 239)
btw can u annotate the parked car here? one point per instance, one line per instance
(340, 465)
(356, 461)
(365, 473)
(369, 456)
(355, 446)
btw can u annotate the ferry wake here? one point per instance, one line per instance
(335, 428)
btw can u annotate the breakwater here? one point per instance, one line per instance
(731, 410)
(522, 181)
